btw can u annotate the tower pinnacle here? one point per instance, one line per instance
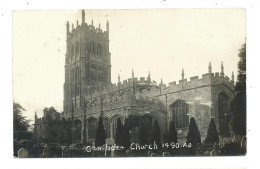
(210, 68)
(107, 26)
(222, 70)
(83, 16)
(182, 74)
(133, 75)
(68, 28)
(149, 77)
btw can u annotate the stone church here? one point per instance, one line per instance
(89, 93)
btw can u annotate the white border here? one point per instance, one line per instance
(248, 161)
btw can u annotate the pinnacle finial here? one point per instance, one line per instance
(161, 81)
(92, 22)
(133, 75)
(107, 26)
(118, 77)
(99, 25)
(222, 69)
(210, 68)
(182, 74)
(83, 16)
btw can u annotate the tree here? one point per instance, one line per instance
(212, 135)
(172, 137)
(119, 133)
(100, 139)
(193, 136)
(156, 133)
(20, 123)
(238, 105)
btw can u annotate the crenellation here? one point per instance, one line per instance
(194, 78)
(142, 79)
(172, 84)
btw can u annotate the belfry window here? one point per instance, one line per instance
(77, 47)
(99, 50)
(180, 110)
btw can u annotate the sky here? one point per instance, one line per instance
(160, 41)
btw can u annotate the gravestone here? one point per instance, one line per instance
(23, 153)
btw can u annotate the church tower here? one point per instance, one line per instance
(87, 62)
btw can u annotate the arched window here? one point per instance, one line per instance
(72, 81)
(91, 44)
(180, 111)
(107, 127)
(114, 123)
(92, 127)
(77, 124)
(77, 47)
(77, 80)
(72, 50)
(148, 124)
(223, 110)
(99, 49)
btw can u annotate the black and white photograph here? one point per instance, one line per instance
(129, 83)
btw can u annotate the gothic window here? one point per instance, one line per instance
(180, 111)
(114, 123)
(92, 47)
(77, 47)
(78, 129)
(72, 50)
(77, 80)
(99, 49)
(92, 126)
(223, 110)
(148, 123)
(72, 80)
(107, 127)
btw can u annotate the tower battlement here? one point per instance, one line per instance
(90, 28)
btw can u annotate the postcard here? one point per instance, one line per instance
(129, 83)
